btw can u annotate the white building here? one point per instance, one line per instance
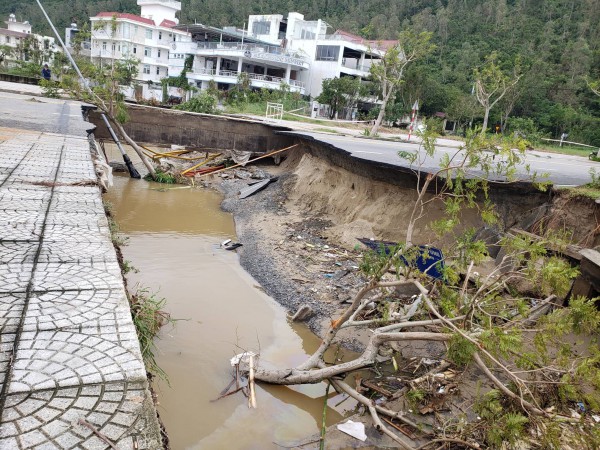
(222, 55)
(70, 35)
(273, 50)
(148, 38)
(15, 35)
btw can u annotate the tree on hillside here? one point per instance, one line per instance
(594, 86)
(107, 78)
(389, 72)
(492, 84)
(339, 93)
(513, 339)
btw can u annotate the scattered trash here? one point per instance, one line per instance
(429, 260)
(580, 407)
(241, 358)
(354, 429)
(254, 188)
(596, 418)
(224, 243)
(233, 246)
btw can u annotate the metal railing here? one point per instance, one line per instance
(238, 46)
(354, 64)
(252, 76)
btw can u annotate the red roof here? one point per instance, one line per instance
(126, 16)
(7, 32)
(167, 23)
(351, 37)
(384, 45)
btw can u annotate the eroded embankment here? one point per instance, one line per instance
(299, 234)
(363, 198)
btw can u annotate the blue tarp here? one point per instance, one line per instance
(430, 259)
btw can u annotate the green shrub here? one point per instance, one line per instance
(202, 103)
(50, 88)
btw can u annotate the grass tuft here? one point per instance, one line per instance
(149, 318)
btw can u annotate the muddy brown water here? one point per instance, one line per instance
(173, 240)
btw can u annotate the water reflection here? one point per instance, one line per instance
(173, 241)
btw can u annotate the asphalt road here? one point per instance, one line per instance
(42, 114)
(562, 170)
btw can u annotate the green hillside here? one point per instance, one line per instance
(556, 42)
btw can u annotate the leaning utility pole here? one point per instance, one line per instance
(132, 171)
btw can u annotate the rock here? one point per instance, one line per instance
(242, 174)
(259, 174)
(303, 313)
(118, 166)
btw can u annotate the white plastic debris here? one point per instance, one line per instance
(242, 357)
(596, 418)
(224, 243)
(354, 429)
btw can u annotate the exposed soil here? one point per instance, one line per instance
(299, 242)
(299, 234)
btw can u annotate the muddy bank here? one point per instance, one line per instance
(299, 235)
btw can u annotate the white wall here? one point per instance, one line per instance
(158, 13)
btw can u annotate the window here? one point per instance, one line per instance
(104, 46)
(147, 69)
(114, 47)
(158, 71)
(125, 49)
(147, 51)
(134, 50)
(262, 27)
(306, 34)
(159, 53)
(8, 39)
(327, 52)
(148, 33)
(159, 36)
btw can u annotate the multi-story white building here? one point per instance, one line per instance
(149, 38)
(70, 36)
(15, 36)
(273, 50)
(222, 55)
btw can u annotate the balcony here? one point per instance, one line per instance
(256, 80)
(355, 64)
(188, 48)
(154, 61)
(265, 52)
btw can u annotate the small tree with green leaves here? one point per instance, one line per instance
(6, 52)
(339, 93)
(516, 339)
(388, 73)
(492, 84)
(594, 86)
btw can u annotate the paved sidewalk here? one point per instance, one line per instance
(20, 88)
(68, 347)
